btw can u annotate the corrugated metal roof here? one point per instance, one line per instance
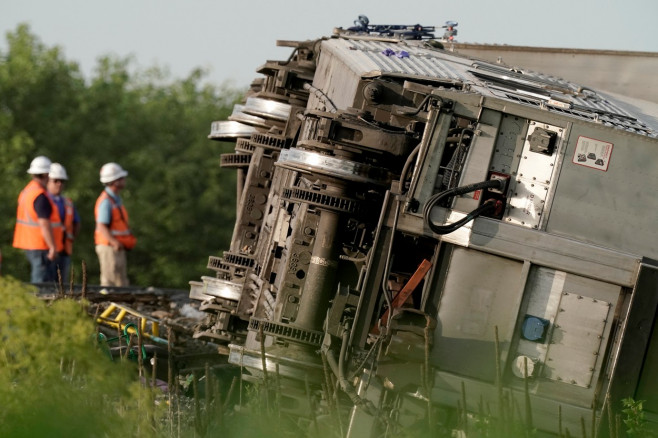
(365, 56)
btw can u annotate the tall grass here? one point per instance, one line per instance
(55, 381)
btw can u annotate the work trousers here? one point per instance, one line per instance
(113, 266)
(64, 265)
(43, 270)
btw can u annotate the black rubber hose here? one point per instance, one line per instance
(488, 206)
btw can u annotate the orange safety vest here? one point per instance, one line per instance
(27, 234)
(118, 224)
(69, 215)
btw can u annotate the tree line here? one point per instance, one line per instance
(181, 204)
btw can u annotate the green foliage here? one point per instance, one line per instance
(181, 204)
(635, 419)
(55, 382)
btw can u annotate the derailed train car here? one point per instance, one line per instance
(419, 232)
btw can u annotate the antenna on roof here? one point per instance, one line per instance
(402, 31)
(451, 31)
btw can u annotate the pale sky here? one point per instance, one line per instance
(233, 38)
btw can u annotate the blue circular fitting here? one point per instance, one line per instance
(534, 328)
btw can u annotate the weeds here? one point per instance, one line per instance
(635, 418)
(56, 380)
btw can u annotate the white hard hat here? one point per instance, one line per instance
(112, 172)
(39, 166)
(57, 171)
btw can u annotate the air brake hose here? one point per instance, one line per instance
(488, 205)
(338, 368)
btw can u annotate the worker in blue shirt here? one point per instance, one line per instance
(68, 214)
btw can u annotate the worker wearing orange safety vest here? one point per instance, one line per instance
(39, 231)
(68, 214)
(112, 235)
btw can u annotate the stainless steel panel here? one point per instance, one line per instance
(540, 248)
(575, 343)
(555, 251)
(579, 311)
(529, 191)
(481, 292)
(616, 207)
(520, 243)
(509, 143)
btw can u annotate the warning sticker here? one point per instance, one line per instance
(592, 153)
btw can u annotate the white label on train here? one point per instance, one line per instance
(592, 153)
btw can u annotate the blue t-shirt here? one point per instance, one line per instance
(105, 209)
(59, 202)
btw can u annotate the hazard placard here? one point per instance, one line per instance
(592, 153)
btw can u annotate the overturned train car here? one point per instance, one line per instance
(419, 232)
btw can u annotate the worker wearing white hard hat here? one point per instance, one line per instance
(111, 172)
(112, 236)
(57, 177)
(39, 231)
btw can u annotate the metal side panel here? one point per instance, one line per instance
(335, 82)
(481, 293)
(511, 138)
(539, 248)
(558, 252)
(576, 339)
(534, 176)
(613, 203)
(578, 318)
(582, 325)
